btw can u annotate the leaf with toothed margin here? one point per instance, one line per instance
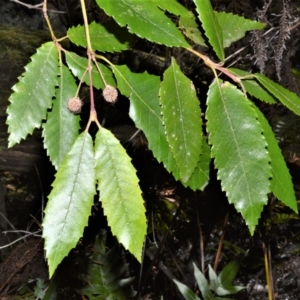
(200, 177)
(145, 19)
(239, 150)
(173, 7)
(120, 194)
(281, 182)
(70, 201)
(142, 91)
(182, 119)
(190, 28)
(145, 111)
(62, 127)
(234, 27)
(211, 26)
(286, 97)
(78, 66)
(33, 94)
(108, 37)
(253, 87)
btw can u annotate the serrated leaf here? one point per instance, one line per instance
(62, 126)
(200, 176)
(202, 284)
(286, 97)
(252, 87)
(109, 37)
(78, 65)
(142, 90)
(70, 201)
(186, 292)
(120, 193)
(173, 7)
(234, 27)
(182, 119)
(33, 94)
(190, 29)
(211, 26)
(281, 183)
(144, 19)
(239, 150)
(104, 273)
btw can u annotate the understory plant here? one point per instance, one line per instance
(220, 285)
(166, 109)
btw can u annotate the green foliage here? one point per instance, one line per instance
(78, 66)
(120, 197)
(287, 98)
(200, 176)
(211, 26)
(173, 7)
(62, 126)
(281, 183)
(70, 201)
(221, 285)
(180, 111)
(143, 91)
(146, 20)
(252, 87)
(240, 140)
(191, 29)
(106, 272)
(241, 159)
(234, 27)
(108, 38)
(32, 94)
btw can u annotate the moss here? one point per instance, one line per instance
(17, 45)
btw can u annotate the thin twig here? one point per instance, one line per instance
(217, 259)
(8, 222)
(201, 243)
(21, 238)
(37, 6)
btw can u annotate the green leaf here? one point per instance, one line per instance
(286, 97)
(186, 292)
(173, 7)
(120, 193)
(281, 183)
(253, 87)
(202, 284)
(211, 26)
(190, 29)
(142, 90)
(105, 271)
(182, 119)
(213, 278)
(222, 284)
(62, 126)
(239, 150)
(144, 19)
(33, 94)
(78, 65)
(104, 38)
(200, 177)
(225, 278)
(234, 27)
(70, 201)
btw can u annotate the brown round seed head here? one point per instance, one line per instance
(75, 104)
(110, 94)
